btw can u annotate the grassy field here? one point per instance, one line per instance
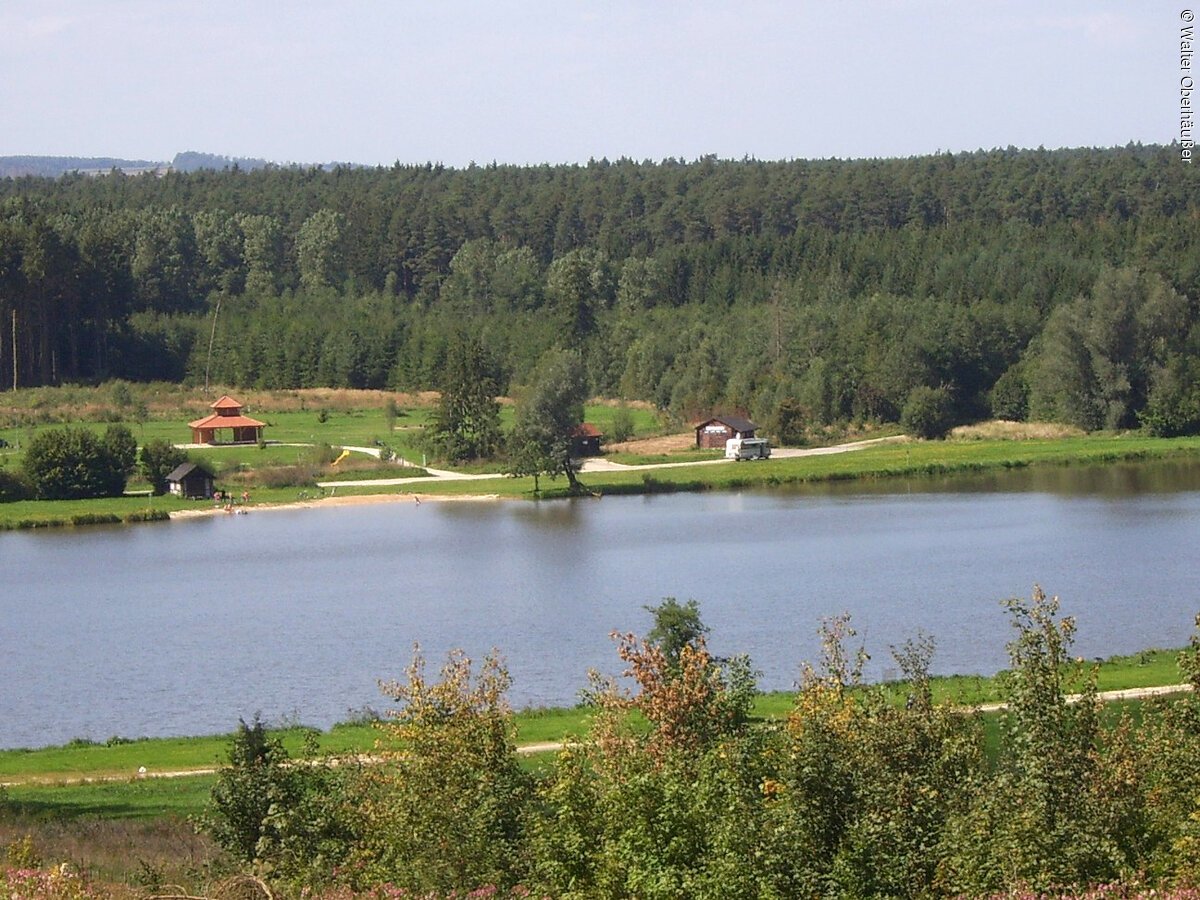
(360, 419)
(122, 759)
(297, 422)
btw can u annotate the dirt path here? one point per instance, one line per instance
(604, 465)
(523, 749)
(671, 442)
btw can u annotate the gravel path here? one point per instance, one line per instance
(528, 749)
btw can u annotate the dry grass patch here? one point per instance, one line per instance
(1004, 430)
(342, 399)
(167, 401)
(631, 404)
(121, 853)
(669, 443)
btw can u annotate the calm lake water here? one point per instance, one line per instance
(182, 628)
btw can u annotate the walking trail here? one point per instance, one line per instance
(603, 465)
(524, 749)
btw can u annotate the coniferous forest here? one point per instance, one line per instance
(1056, 285)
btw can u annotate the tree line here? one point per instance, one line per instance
(1015, 282)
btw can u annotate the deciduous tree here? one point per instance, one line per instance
(540, 443)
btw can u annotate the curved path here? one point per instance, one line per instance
(542, 746)
(593, 464)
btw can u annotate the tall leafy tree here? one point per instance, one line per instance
(319, 250)
(262, 251)
(540, 443)
(164, 261)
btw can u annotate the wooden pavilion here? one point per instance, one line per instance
(227, 414)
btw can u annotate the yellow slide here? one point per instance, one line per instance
(345, 453)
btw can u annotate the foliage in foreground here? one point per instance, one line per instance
(676, 791)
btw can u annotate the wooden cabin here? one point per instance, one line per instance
(585, 440)
(713, 433)
(190, 480)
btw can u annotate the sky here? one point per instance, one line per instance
(560, 81)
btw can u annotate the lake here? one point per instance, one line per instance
(183, 627)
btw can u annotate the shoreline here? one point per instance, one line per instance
(334, 501)
(876, 460)
(117, 768)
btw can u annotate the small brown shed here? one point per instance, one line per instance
(713, 433)
(585, 440)
(190, 480)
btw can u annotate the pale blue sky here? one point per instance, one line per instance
(376, 81)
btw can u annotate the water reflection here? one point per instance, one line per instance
(1117, 480)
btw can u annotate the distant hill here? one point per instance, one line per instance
(54, 166)
(193, 161)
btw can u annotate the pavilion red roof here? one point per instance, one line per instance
(226, 402)
(585, 430)
(217, 420)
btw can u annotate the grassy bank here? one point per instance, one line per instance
(119, 758)
(917, 459)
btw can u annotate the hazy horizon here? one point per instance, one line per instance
(531, 83)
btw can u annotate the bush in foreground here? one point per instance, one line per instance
(676, 792)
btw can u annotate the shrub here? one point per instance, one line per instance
(256, 778)
(121, 447)
(286, 476)
(928, 412)
(73, 464)
(449, 810)
(13, 487)
(1010, 396)
(322, 454)
(148, 515)
(95, 519)
(22, 854)
(622, 425)
(158, 459)
(1039, 822)
(292, 819)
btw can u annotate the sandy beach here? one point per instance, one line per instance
(331, 502)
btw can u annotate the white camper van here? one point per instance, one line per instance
(747, 448)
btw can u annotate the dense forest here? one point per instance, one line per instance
(1012, 283)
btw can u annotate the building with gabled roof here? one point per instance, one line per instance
(227, 414)
(190, 480)
(585, 440)
(713, 433)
